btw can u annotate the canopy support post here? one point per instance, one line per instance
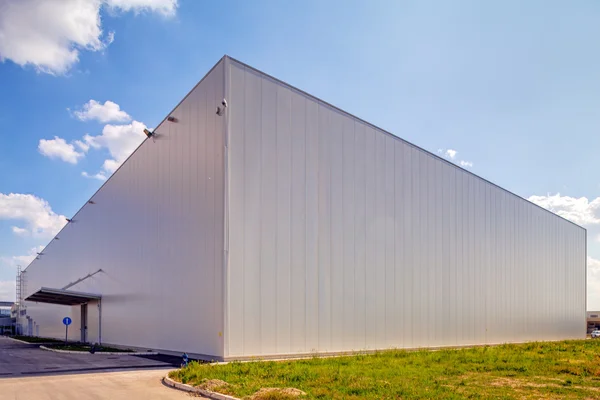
(99, 321)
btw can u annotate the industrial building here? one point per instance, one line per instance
(259, 221)
(7, 321)
(593, 321)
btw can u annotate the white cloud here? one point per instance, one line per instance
(100, 176)
(165, 7)
(7, 290)
(49, 34)
(37, 215)
(82, 146)
(598, 238)
(450, 154)
(111, 166)
(109, 39)
(23, 260)
(120, 140)
(107, 112)
(59, 148)
(579, 210)
(19, 231)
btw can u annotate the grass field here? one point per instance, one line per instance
(85, 347)
(34, 339)
(558, 370)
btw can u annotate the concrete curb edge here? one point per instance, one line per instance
(108, 353)
(20, 341)
(191, 389)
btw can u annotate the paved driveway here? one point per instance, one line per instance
(124, 385)
(19, 359)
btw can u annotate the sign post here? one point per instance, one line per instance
(67, 321)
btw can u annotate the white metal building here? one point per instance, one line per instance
(281, 225)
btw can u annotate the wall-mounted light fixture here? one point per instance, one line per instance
(171, 118)
(91, 202)
(153, 134)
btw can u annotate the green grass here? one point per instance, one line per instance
(558, 370)
(85, 347)
(34, 339)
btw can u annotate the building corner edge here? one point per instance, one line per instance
(226, 183)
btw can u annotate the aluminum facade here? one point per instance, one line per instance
(343, 237)
(156, 231)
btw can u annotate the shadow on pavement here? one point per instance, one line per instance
(174, 361)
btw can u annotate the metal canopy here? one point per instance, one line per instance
(62, 296)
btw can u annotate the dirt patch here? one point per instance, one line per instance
(276, 394)
(213, 385)
(517, 383)
(513, 383)
(572, 361)
(593, 389)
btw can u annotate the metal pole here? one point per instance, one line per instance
(66, 333)
(100, 321)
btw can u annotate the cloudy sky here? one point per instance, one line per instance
(507, 89)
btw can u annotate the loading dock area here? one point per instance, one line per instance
(72, 298)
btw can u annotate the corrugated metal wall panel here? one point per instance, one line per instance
(298, 204)
(346, 238)
(283, 182)
(156, 230)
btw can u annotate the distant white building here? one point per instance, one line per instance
(258, 220)
(6, 321)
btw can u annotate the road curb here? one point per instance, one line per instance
(108, 353)
(191, 389)
(20, 341)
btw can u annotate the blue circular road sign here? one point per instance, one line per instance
(67, 321)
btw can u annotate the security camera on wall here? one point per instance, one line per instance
(219, 109)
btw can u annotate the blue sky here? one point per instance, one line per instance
(510, 88)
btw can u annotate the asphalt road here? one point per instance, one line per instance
(19, 360)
